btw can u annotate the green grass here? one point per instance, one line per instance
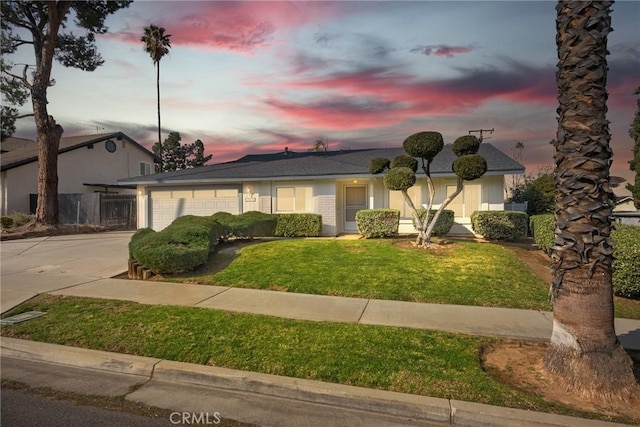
(404, 360)
(466, 273)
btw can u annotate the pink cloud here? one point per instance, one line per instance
(236, 26)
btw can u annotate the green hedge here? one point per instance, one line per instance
(626, 267)
(443, 224)
(626, 252)
(174, 249)
(543, 231)
(500, 225)
(378, 222)
(6, 221)
(298, 225)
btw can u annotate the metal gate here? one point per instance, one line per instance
(118, 209)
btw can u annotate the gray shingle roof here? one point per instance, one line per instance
(310, 165)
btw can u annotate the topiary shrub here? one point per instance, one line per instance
(543, 231)
(6, 222)
(378, 165)
(174, 249)
(443, 224)
(500, 225)
(137, 238)
(399, 179)
(470, 166)
(626, 253)
(406, 162)
(424, 144)
(467, 144)
(378, 222)
(298, 225)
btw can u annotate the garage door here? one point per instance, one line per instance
(167, 205)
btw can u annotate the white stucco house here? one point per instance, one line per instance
(86, 164)
(334, 184)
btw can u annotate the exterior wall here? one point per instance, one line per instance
(75, 167)
(17, 184)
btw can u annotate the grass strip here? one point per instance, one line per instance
(398, 359)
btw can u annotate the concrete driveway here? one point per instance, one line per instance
(42, 264)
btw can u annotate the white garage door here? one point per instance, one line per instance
(167, 205)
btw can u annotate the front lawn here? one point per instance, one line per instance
(465, 273)
(399, 359)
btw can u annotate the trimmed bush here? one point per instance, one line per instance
(400, 178)
(216, 230)
(405, 161)
(470, 166)
(298, 225)
(626, 267)
(500, 225)
(543, 231)
(137, 237)
(253, 224)
(174, 249)
(6, 222)
(378, 222)
(424, 144)
(443, 224)
(378, 165)
(467, 144)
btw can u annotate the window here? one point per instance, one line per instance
(292, 199)
(145, 168)
(396, 200)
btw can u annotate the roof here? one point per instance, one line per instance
(315, 165)
(17, 151)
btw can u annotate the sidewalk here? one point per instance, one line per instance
(498, 322)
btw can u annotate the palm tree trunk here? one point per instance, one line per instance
(585, 354)
(159, 131)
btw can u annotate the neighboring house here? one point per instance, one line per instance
(86, 164)
(624, 204)
(334, 184)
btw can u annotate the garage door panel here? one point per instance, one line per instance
(164, 209)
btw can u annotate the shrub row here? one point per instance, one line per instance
(626, 252)
(378, 222)
(186, 243)
(626, 267)
(543, 231)
(500, 225)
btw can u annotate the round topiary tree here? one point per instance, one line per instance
(466, 144)
(425, 146)
(405, 161)
(469, 166)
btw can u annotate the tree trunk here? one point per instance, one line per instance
(49, 133)
(585, 354)
(159, 128)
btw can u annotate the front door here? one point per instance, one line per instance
(355, 199)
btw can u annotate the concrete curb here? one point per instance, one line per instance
(408, 406)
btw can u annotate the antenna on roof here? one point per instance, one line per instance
(481, 132)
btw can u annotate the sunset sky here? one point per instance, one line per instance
(252, 77)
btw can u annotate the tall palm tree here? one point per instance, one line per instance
(157, 45)
(585, 354)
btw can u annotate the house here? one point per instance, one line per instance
(86, 164)
(334, 184)
(624, 204)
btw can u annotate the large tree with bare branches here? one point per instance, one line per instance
(42, 25)
(584, 355)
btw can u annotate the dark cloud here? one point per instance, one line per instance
(441, 50)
